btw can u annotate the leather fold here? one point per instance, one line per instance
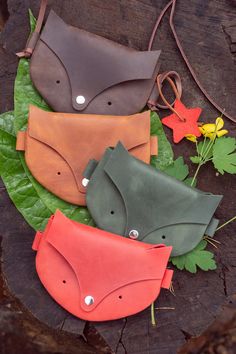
(139, 197)
(72, 78)
(58, 146)
(96, 275)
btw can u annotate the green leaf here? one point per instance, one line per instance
(195, 159)
(197, 258)
(224, 155)
(32, 21)
(178, 169)
(189, 181)
(165, 152)
(33, 201)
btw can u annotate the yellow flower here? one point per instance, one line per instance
(191, 137)
(212, 130)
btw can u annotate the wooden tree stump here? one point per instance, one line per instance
(207, 32)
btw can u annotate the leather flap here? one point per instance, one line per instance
(79, 138)
(187, 204)
(104, 262)
(94, 64)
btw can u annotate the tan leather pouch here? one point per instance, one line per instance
(58, 146)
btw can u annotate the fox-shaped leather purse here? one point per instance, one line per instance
(96, 275)
(130, 198)
(58, 146)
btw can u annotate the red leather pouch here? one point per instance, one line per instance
(96, 275)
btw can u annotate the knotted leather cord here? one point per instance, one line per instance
(177, 89)
(171, 22)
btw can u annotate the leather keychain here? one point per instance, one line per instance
(96, 275)
(183, 120)
(58, 146)
(143, 203)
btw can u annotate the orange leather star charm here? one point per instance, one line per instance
(184, 123)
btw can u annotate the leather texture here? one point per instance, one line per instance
(68, 62)
(58, 146)
(76, 262)
(125, 194)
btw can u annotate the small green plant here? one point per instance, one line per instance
(215, 148)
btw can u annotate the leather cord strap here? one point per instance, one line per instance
(172, 3)
(158, 21)
(40, 19)
(32, 41)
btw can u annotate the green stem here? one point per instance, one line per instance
(197, 148)
(153, 314)
(195, 174)
(226, 223)
(203, 145)
(208, 160)
(208, 148)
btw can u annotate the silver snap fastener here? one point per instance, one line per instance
(80, 99)
(85, 182)
(89, 300)
(133, 234)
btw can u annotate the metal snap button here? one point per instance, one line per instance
(85, 182)
(133, 234)
(89, 300)
(80, 99)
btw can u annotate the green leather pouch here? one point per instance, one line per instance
(130, 198)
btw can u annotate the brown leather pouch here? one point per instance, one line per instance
(58, 146)
(79, 72)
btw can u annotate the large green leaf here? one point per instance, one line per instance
(24, 95)
(165, 152)
(34, 202)
(6, 122)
